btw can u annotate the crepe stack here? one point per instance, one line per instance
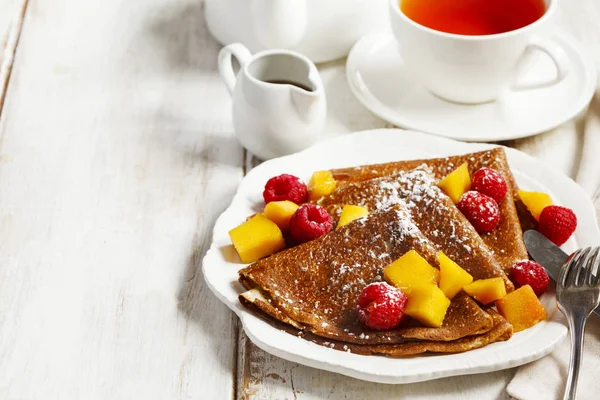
(312, 289)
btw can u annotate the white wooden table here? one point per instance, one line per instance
(117, 154)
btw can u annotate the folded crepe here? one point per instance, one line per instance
(506, 241)
(314, 287)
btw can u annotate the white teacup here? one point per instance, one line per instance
(473, 69)
(278, 98)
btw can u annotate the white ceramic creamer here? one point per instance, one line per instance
(278, 98)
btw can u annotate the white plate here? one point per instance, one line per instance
(221, 264)
(380, 81)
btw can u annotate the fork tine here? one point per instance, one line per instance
(585, 266)
(593, 278)
(572, 268)
(565, 270)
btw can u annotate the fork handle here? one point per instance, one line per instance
(577, 322)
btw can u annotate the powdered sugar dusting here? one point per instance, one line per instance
(407, 188)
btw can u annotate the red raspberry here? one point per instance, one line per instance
(381, 306)
(309, 222)
(285, 187)
(557, 223)
(490, 183)
(481, 211)
(530, 273)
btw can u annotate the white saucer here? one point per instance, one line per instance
(380, 81)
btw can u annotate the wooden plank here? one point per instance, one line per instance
(116, 157)
(9, 10)
(12, 13)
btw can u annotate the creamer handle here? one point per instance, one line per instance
(238, 51)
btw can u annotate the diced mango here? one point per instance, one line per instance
(256, 238)
(410, 270)
(350, 213)
(486, 290)
(535, 202)
(457, 183)
(249, 217)
(452, 277)
(427, 304)
(521, 308)
(281, 212)
(321, 184)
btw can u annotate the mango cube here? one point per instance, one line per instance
(321, 184)
(427, 304)
(535, 202)
(521, 308)
(350, 213)
(486, 290)
(410, 270)
(457, 183)
(452, 277)
(281, 212)
(256, 238)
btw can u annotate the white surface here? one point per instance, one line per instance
(113, 168)
(322, 30)
(273, 120)
(11, 22)
(381, 81)
(221, 264)
(130, 89)
(9, 9)
(473, 69)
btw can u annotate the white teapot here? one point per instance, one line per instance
(278, 100)
(323, 30)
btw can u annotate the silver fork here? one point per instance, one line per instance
(578, 294)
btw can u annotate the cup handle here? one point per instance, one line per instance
(558, 57)
(238, 51)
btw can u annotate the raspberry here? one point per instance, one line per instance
(557, 223)
(530, 273)
(309, 222)
(489, 182)
(381, 306)
(481, 211)
(285, 187)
